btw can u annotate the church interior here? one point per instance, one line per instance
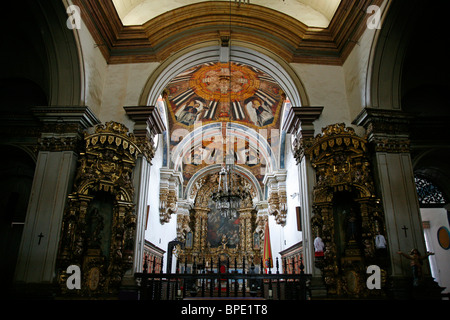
(295, 137)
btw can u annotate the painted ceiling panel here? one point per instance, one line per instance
(237, 107)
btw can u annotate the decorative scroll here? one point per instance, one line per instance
(98, 226)
(277, 201)
(168, 193)
(347, 214)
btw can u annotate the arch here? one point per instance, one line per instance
(383, 89)
(258, 58)
(256, 141)
(62, 52)
(216, 168)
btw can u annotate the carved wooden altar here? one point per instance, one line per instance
(206, 236)
(98, 226)
(347, 213)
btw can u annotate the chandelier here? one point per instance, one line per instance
(226, 198)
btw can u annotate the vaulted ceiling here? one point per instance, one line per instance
(322, 31)
(313, 13)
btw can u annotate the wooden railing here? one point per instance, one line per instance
(211, 282)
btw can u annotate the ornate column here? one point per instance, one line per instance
(300, 125)
(245, 216)
(388, 134)
(147, 125)
(203, 217)
(59, 143)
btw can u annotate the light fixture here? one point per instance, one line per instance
(227, 198)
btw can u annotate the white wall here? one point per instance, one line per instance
(283, 237)
(325, 86)
(356, 69)
(95, 69)
(158, 234)
(123, 87)
(440, 262)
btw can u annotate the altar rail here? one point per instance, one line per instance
(209, 282)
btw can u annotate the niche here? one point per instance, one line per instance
(99, 221)
(347, 226)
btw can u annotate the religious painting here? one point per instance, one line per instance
(224, 92)
(223, 97)
(256, 241)
(222, 230)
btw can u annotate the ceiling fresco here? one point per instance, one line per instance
(236, 105)
(211, 92)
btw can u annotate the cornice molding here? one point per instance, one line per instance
(175, 30)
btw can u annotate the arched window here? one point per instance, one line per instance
(428, 193)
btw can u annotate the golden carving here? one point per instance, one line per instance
(99, 222)
(347, 214)
(197, 223)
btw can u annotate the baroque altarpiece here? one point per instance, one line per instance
(99, 223)
(209, 239)
(347, 214)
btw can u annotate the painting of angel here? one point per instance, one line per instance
(190, 112)
(259, 111)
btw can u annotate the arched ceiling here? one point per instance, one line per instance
(305, 31)
(224, 109)
(313, 13)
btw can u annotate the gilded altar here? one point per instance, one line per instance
(98, 227)
(347, 214)
(208, 237)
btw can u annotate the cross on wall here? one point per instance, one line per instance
(404, 228)
(40, 236)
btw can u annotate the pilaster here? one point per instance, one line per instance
(388, 135)
(147, 125)
(59, 142)
(300, 124)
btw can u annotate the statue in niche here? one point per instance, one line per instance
(352, 231)
(96, 227)
(98, 235)
(347, 224)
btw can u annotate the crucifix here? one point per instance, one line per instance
(404, 228)
(40, 238)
